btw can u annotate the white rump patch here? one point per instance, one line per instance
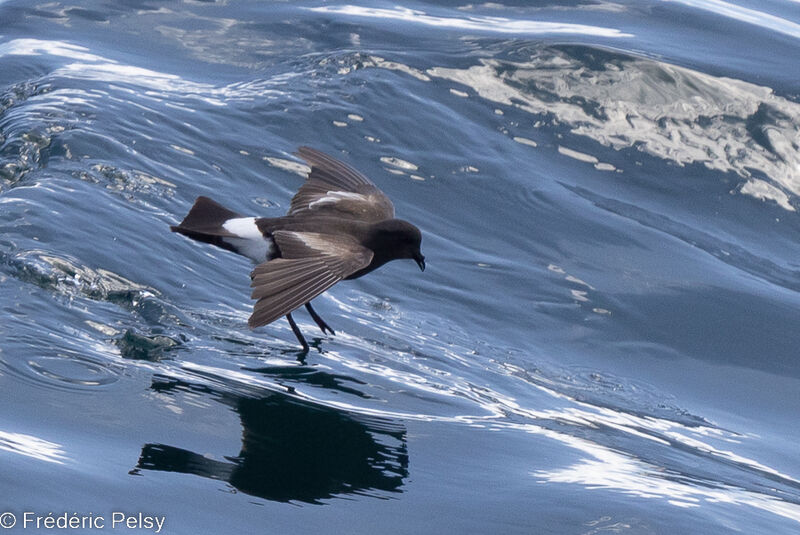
(249, 241)
(333, 197)
(244, 227)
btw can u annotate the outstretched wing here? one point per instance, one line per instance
(334, 188)
(310, 263)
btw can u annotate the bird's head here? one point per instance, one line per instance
(397, 239)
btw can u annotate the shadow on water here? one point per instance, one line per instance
(292, 450)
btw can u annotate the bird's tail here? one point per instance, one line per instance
(205, 221)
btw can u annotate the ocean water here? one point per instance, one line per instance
(606, 339)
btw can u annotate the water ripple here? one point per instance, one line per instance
(667, 111)
(499, 25)
(744, 14)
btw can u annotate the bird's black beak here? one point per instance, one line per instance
(420, 262)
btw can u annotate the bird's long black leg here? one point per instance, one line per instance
(317, 319)
(297, 333)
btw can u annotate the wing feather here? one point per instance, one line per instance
(310, 263)
(335, 188)
(270, 308)
(333, 171)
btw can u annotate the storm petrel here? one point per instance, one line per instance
(339, 226)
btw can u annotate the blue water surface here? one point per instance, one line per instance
(606, 338)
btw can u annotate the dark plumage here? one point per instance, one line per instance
(339, 226)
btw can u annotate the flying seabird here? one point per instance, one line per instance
(339, 226)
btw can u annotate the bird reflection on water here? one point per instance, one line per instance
(292, 450)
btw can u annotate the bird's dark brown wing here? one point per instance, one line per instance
(310, 264)
(336, 189)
